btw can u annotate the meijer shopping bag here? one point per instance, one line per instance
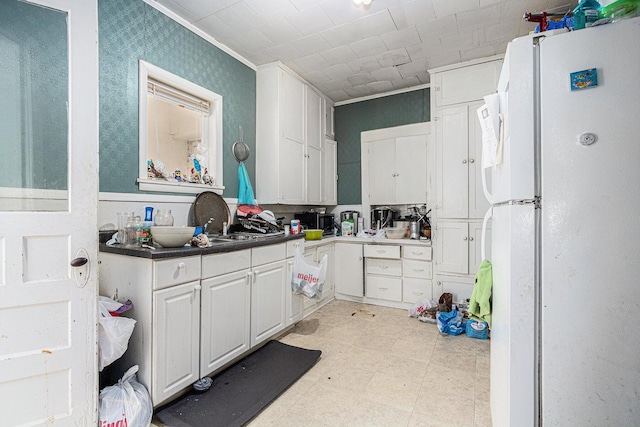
(308, 277)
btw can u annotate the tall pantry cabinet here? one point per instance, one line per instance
(293, 159)
(457, 91)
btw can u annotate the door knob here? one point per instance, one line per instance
(471, 160)
(471, 239)
(464, 238)
(79, 262)
(464, 162)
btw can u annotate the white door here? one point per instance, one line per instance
(349, 275)
(411, 169)
(382, 164)
(452, 247)
(452, 165)
(267, 301)
(478, 203)
(327, 288)
(48, 215)
(225, 318)
(176, 340)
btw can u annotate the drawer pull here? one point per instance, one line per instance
(417, 253)
(418, 293)
(182, 266)
(383, 267)
(383, 289)
(381, 251)
(419, 270)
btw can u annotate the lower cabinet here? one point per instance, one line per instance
(398, 273)
(267, 301)
(293, 301)
(349, 267)
(315, 254)
(196, 314)
(176, 339)
(226, 310)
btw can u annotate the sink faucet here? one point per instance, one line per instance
(207, 225)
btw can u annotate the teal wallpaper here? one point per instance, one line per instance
(130, 30)
(351, 119)
(33, 96)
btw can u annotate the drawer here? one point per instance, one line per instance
(382, 251)
(267, 254)
(414, 290)
(388, 288)
(417, 252)
(175, 271)
(217, 264)
(292, 245)
(385, 267)
(416, 269)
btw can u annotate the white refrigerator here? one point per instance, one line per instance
(565, 231)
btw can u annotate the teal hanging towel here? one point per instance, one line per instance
(480, 302)
(245, 192)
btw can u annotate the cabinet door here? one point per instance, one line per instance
(292, 107)
(452, 247)
(293, 301)
(225, 317)
(411, 169)
(314, 175)
(330, 171)
(328, 290)
(310, 255)
(267, 301)
(466, 83)
(349, 276)
(291, 175)
(313, 128)
(328, 119)
(475, 246)
(176, 340)
(452, 163)
(459, 288)
(382, 186)
(478, 203)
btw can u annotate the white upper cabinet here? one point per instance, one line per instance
(329, 166)
(329, 110)
(291, 122)
(456, 84)
(394, 165)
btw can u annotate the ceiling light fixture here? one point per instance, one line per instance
(362, 2)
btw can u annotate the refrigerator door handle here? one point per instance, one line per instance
(487, 216)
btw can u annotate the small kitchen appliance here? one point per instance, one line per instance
(381, 217)
(316, 221)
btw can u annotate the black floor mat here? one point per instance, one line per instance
(244, 389)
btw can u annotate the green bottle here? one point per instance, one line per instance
(585, 14)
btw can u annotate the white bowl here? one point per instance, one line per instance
(171, 237)
(395, 232)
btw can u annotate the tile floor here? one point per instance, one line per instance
(380, 367)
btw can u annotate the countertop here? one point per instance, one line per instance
(236, 245)
(216, 247)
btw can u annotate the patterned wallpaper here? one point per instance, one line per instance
(351, 119)
(130, 30)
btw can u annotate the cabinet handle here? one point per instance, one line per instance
(418, 270)
(471, 239)
(360, 259)
(416, 253)
(439, 283)
(464, 238)
(464, 162)
(472, 161)
(197, 287)
(182, 266)
(381, 251)
(383, 289)
(418, 293)
(383, 267)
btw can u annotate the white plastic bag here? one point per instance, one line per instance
(308, 277)
(125, 404)
(421, 306)
(113, 333)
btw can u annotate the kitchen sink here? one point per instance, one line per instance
(241, 237)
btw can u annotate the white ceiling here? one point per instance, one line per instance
(349, 51)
